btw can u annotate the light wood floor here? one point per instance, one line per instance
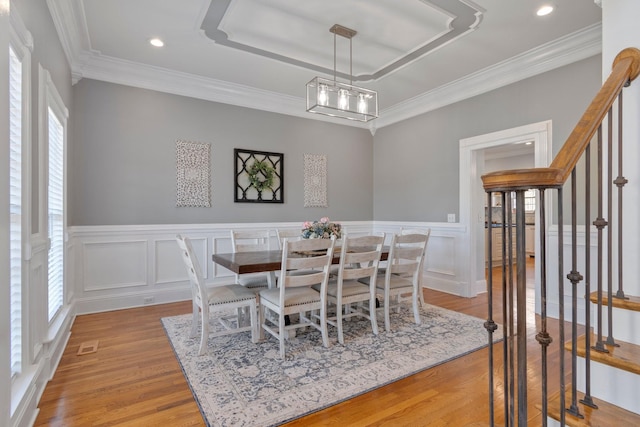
(134, 378)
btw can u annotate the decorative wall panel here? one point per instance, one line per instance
(119, 264)
(193, 174)
(315, 180)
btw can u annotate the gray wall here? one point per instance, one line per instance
(122, 164)
(122, 160)
(416, 173)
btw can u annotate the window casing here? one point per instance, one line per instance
(15, 208)
(53, 117)
(55, 207)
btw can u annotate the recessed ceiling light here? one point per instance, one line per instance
(528, 143)
(544, 10)
(156, 42)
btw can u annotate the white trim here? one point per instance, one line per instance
(166, 281)
(21, 41)
(471, 206)
(70, 23)
(18, 33)
(574, 47)
(49, 98)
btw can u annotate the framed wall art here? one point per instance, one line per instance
(259, 176)
(193, 174)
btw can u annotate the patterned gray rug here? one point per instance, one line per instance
(238, 383)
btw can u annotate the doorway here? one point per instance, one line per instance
(472, 195)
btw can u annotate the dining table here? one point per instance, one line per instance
(266, 261)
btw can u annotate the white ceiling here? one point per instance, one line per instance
(418, 54)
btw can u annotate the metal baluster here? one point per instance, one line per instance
(620, 182)
(508, 291)
(600, 223)
(521, 301)
(574, 277)
(587, 284)
(490, 325)
(543, 336)
(561, 305)
(610, 340)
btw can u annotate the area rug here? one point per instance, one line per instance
(238, 383)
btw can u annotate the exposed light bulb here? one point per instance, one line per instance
(363, 108)
(343, 99)
(323, 97)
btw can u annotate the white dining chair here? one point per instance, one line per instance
(295, 294)
(206, 300)
(359, 259)
(402, 274)
(288, 233)
(248, 241)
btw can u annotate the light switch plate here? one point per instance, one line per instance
(451, 217)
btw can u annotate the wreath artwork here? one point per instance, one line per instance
(258, 177)
(261, 175)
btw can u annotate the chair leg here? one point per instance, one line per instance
(338, 323)
(204, 336)
(323, 326)
(387, 309)
(416, 308)
(195, 319)
(372, 315)
(281, 334)
(261, 315)
(255, 327)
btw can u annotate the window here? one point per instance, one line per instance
(15, 209)
(55, 191)
(53, 147)
(530, 201)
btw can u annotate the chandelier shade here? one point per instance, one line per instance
(337, 99)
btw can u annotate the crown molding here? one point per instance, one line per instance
(68, 17)
(19, 32)
(574, 47)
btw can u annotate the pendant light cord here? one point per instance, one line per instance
(334, 58)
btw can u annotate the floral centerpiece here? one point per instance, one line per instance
(322, 229)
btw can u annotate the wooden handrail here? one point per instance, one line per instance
(626, 68)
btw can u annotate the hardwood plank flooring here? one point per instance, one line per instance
(134, 378)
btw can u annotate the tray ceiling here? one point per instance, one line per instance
(418, 54)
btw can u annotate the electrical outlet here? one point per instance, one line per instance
(451, 217)
(148, 300)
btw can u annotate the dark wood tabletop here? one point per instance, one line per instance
(259, 261)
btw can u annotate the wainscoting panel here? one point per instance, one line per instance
(116, 267)
(442, 260)
(442, 270)
(115, 264)
(169, 267)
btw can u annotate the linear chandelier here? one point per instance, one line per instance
(336, 99)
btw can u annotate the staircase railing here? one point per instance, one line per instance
(604, 115)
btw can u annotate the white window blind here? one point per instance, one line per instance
(56, 214)
(15, 208)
